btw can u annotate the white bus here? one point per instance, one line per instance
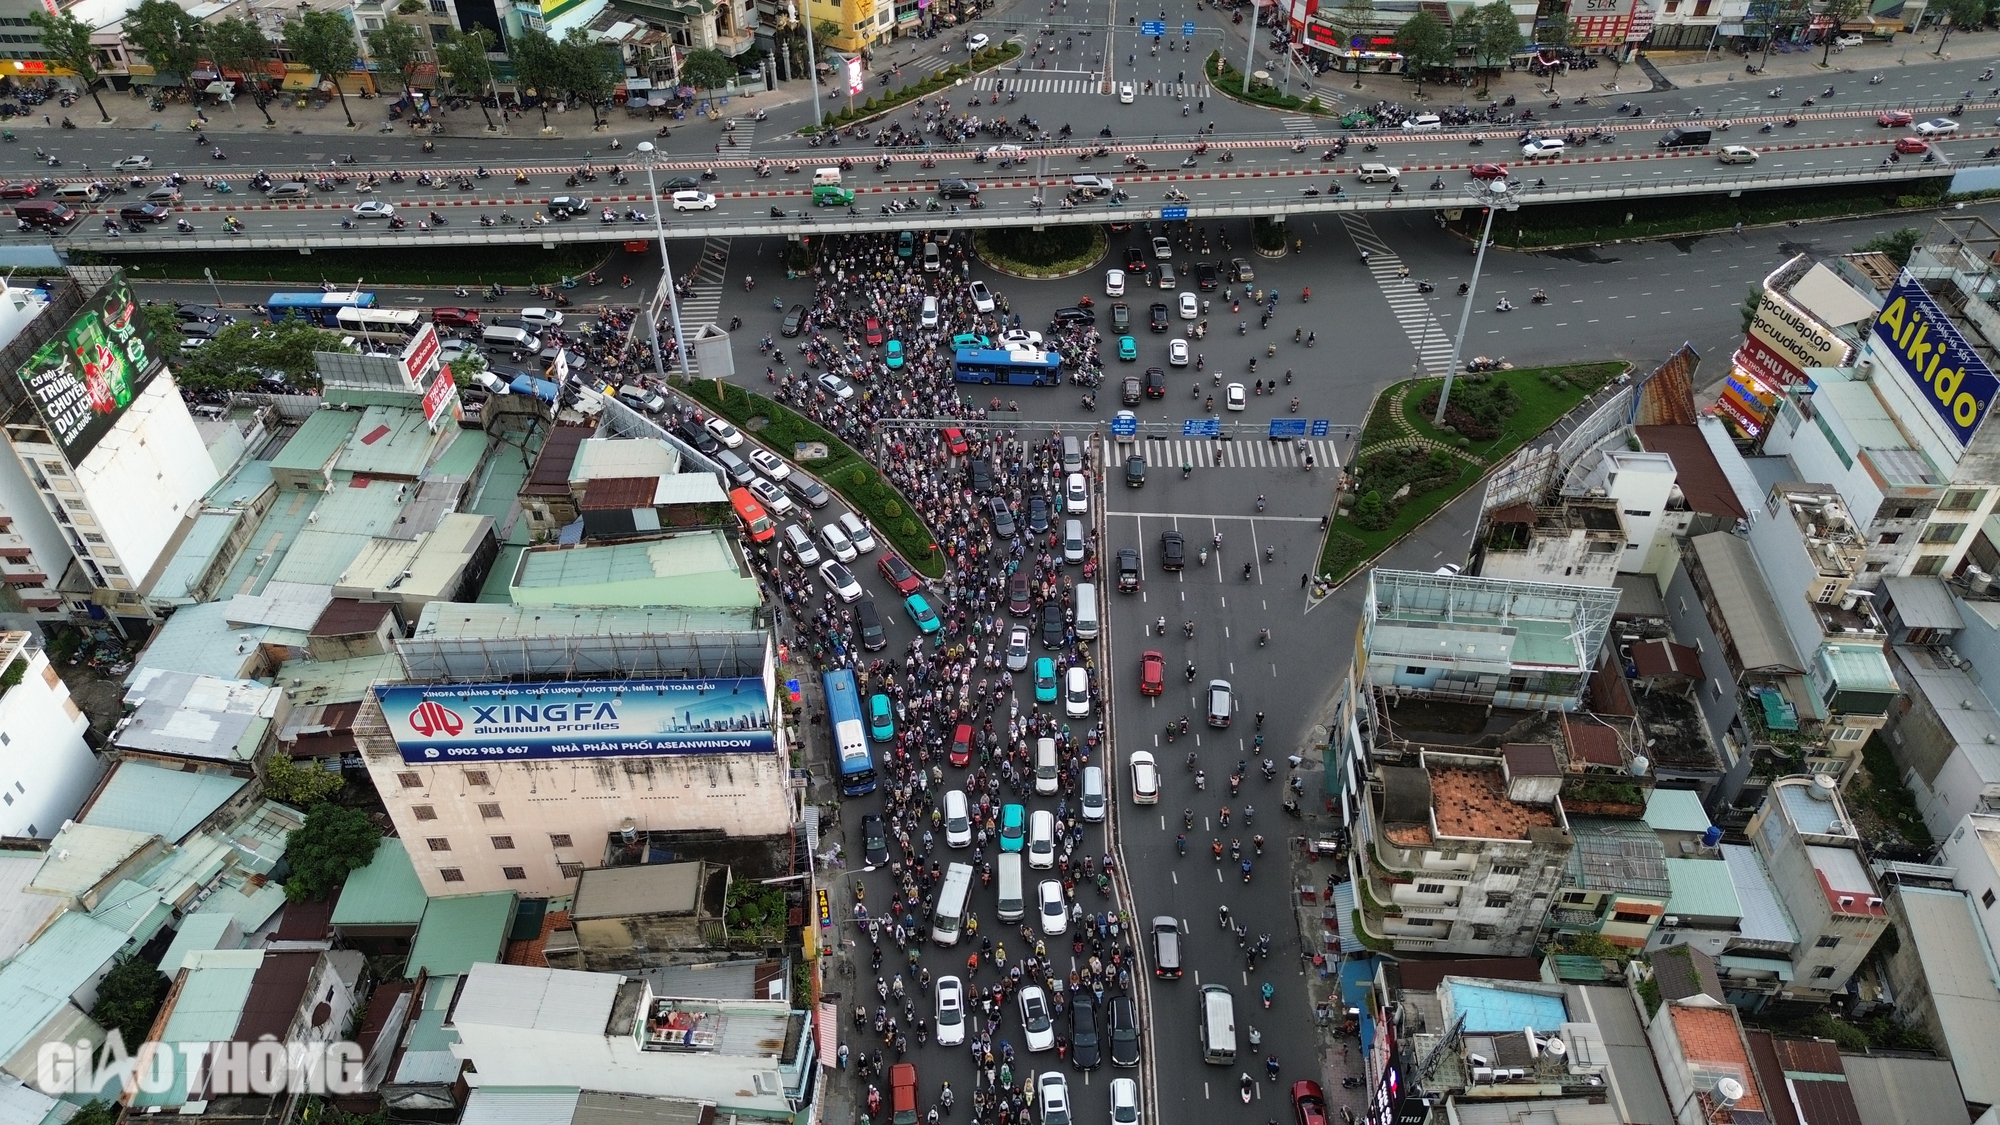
(949, 917)
(1218, 1025)
(393, 325)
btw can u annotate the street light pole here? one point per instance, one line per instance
(1250, 57)
(667, 266)
(812, 63)
(1496, 198)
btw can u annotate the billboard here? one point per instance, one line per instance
(1803, 341)
(588, 719)
(1916, 338)
(1599, 23)
(85, 376)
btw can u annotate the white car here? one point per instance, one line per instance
(1124, 1100)
(1162, 249)
(840, 580)
(930, 313)
(1190, 306)
(957, 820)
(1177, 353)
(1055, 912)
(982, 297)
(771, 496)
(1125, 93)
(724, 432)
(1042, 836)
(1037, 1028)
(1236, 398)
(837, 541)
(1423, 123)
(1076, 495)
(1936, 127)
(1847, 41)
(1021, 336)
(133, 164)
(373, 209)
(1546, 148)
(1076, 692)
(1017, 649)
(1145, 779)
(1114, 283)
(857, 532)
(693, 201)
(769, 463)
(1052, 1090)
(834, 385)
(541, 318)
(802, 545)
(950, 1022)
(977, 43)
(1737, 154)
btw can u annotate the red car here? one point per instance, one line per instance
(903, 1094)
(455, 318)
(1308, 1102)
(954, 440)
(21, 189)
(1489, 171)
(1152, 673)
(1911, 146)
(873, 331)
(1894, 118)
(898, 573)
(961, 745)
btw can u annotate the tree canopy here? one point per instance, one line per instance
(1425, 43)
(233, 359)
(332, 843)
(170, 39)
(325, 42)
(396, 47)
(706, 69)
(66, 43)
(462, 58)
(239, 45)
(1496, 34)
(128, 998)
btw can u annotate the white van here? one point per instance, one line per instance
(949, 917)
(801, 542)
(1542, 148)
(1218, 1025)
(1045, 767)
(1072, 542)
(1093, 793)
(1013, 903)
(510, 338)
(492, 384)
(1072, 454)
(1041, 839)
(77, 194)
(826, 177)
(957, 821)
(1086, 610)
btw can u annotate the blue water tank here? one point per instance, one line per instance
(1711, 837)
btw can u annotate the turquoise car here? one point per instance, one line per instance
(894, 354)
(970, 340)
(1045, 680)
(881, 724)
(906, 244)
(1013, 825)
(1127, 348)
(920, 612)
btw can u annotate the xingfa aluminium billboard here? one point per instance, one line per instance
(1943, 369)
(587, 719)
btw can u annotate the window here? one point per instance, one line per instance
(514, 872)
(411, 780)
(1506, 869)
(1575, 897)
(1890, 538)
(1482, 932)
(438, 843)
(1827, 941)
(1943, 532)
(559, 840)
(451, 875)
(1823, 972)
(1986, 899)
(1414, 670)
(1875, 568)
(503, 843)
(1498, 901)
(1928, 566)
(1906, 513)
(423, 812)
(1827, 593)
(1430, 888)
(1636, 513)
(438, 6)
(1961, 500)
(1668, 937)
(490, 811)
(477, 777)
(1631, 918)
(1851, 734)
(570, 870)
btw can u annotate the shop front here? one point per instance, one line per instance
(1362, 54)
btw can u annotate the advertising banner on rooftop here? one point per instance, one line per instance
(587, 719)
(1942, 368)
(85, 375)
(1791, 333)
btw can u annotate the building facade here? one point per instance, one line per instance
(46, 767)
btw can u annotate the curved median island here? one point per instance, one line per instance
(989, 58)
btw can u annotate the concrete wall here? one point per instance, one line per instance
(1977, 874)
(46, 768)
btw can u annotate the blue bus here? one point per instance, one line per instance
(850, 735)
(1021, 368)
(322, 309)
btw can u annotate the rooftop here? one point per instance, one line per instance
(1536, 759)
(82, 855)
(201, 640)
(387, 892)
(41, 979)
(1685, 971)
(1616, 855)
(1696, 470)
(1713, 1046)
(519, 996)
(1905, 1090)
(25, 913)
(287, 605)
(206, 1009)
(663, 888)
(388, 441)
(1743, 601)
(1813, 806)
(550, 476)
(191, 716)
(1845, 881)
(1662, 657)
(1765, 918)
(142, 797)
(1923, 602)
(1494, 1007)
(1527, 624)
(1964, 711)
(1471, 802)
(600, 458)
(1958, 969)
(1675, 810)
(1702, 888)
(697, 569)
(461, 931)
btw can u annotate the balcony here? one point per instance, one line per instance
(1569, 916)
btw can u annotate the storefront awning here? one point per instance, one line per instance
(1731, 29)
(300, 80)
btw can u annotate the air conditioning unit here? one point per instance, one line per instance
(1671, 921)
(1482, 1074)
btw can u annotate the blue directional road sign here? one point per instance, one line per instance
(1320, 427)
(1126, 426)
(1187, 30)
(1173, 213)
(1288, 427)
(1201, 427)
(1153, 27)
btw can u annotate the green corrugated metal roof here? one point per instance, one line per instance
(39, 980)
(134, 908)
(197, 932)
(384, 893)
(145, 798)
(388, 441)
(1858, 668)
(1675, 810)
(206, 1010)
(315, 442)
(461, 930)
(1702, 888)
(253, 904)
(697, 569)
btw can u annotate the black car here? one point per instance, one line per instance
(1156, 383)
(197, 312)
(1135, 260)
(868, 623)
(1052, 624)
(957, 189)
(795, 321)
(979, 476)
(1135, 471)
(680, 183)
(1128, 390)
(1173, 551)
(874, 837)
(1128, 570)
(1020, 594)
(1207, 277)
(1003, 520)
(1072, 315)
(697, 436)
(807, 491)
(143, 213)
(1161, 320)
(1083, 1033)
(564, 206)
(1121, 317)
(1121, 1023)
(1038, 515)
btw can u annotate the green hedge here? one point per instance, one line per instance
(889, 513)
(1228, 81)
(1536, 226)
(998, 55)
(1098, 244)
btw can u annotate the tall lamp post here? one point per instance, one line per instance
(652, 157)
(812, 62)
(1495, 196)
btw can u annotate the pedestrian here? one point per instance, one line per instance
(1303, 579)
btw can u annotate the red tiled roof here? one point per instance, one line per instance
(550, 476)
(1771, 1074)
(275, 992)
(1695, 469)
(1594, 743)
(1531, 759)
(611, 494)
(346, 616)
(1709, 1035)
(305, 921)
(1661, 657)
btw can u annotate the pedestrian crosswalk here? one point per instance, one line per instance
(704, 305)
(1029, 84)
(1426, 333)
(1297, 123)
(1165, 454)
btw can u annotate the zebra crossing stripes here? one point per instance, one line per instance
(1297, 123)
(1243, 453)
(1184, 91)
(705, 304)
(1429, 336)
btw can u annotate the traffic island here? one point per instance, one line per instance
(1228, 82)
(990, 58)
(1042, 254)
(1406, 469)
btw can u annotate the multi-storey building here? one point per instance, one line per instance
(1813, 851)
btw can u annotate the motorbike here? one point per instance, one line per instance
(1249, 1084)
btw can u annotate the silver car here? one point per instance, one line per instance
(1017, 649)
